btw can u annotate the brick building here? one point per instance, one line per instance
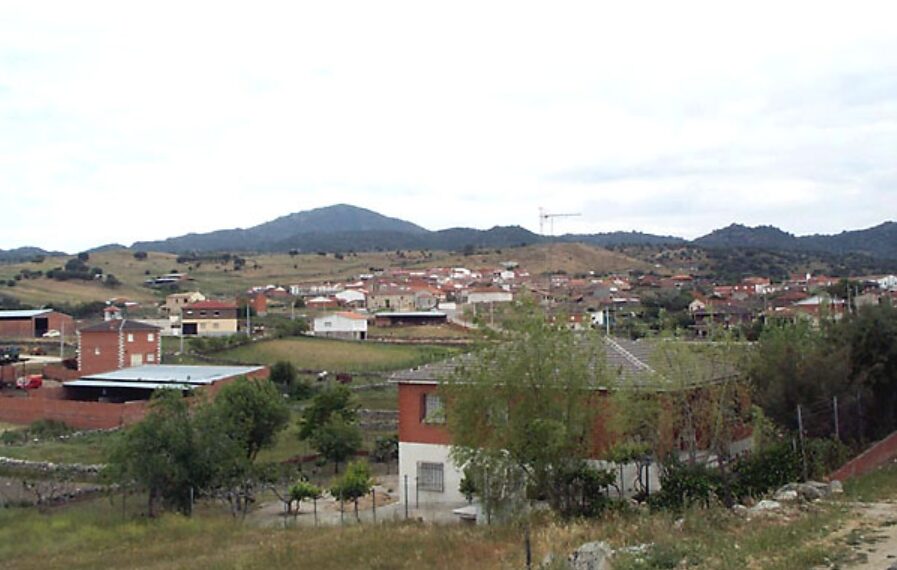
(116, 344)
(425, 442)
(34, 323)
(209, 318)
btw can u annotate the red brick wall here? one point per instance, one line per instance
(104, 343)
(109, 345)
(16, 328)
(874, 457)
(81, 415)
(411, 428)
(55, 321)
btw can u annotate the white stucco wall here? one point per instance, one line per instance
(410, 454)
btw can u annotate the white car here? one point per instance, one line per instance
(51, 333)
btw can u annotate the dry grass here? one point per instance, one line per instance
(99, 534)
(220, 279)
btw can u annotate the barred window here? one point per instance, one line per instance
(430, 477)
(432, 410)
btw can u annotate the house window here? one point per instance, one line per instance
(150, 357)
(130, 337)
(430, 477)
(96, 351)
(150, 337)
(327, 324)
(432, 410)
(217, 313)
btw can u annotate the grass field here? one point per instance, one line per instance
(84, 449)
(105, 533)
(336, 355)
(221, 280)
(9, 427)
(436, 332)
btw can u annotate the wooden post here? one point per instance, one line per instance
(406, 497)
(800, 433)
(374, 502)
(837, 426)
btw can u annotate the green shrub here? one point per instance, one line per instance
(765, 470)
(684, 484)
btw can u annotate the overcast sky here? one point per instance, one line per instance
(120, 123)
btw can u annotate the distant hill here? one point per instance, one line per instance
(343, 228)
(20, 254)
(879, 241)
(301, 230)
(610, 239)
(107, 247)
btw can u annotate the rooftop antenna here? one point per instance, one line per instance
(545, 216)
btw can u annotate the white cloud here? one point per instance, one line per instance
(120, 123)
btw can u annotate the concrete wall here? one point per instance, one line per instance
(410, 454)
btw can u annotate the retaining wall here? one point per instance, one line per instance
(874, 457)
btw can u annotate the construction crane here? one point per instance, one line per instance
(545, 216)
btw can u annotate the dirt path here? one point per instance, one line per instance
(873, 536)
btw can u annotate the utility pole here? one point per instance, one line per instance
(248, 322)
(62, 341)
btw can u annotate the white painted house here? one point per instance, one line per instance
(352, 298)
(345, 325)
(489, 295)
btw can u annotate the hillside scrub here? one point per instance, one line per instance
(853, 360)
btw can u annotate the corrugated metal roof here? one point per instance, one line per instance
(170, 373)
(25, 314)
(133, 385)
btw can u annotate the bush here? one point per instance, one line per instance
(48, 428)
(683, 484)
(766, 469)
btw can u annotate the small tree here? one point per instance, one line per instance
(302, 491)
(283, 374)
(337, 440)
(354, 484)
(333, 401)
(522, 414)
(252, 412)
(140, 255)
(386, 450)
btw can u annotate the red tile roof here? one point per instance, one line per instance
(212, 304)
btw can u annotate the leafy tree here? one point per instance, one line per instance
(333, 401)
(252, 412)
(169, 454)
(795, 365)
(83, 256)
(871, 339)
(337, 440)
(522, 413)
(140, 255)
(386, 449)
(354, 484)
(302, 491)
(76, 265)
(283, 374)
